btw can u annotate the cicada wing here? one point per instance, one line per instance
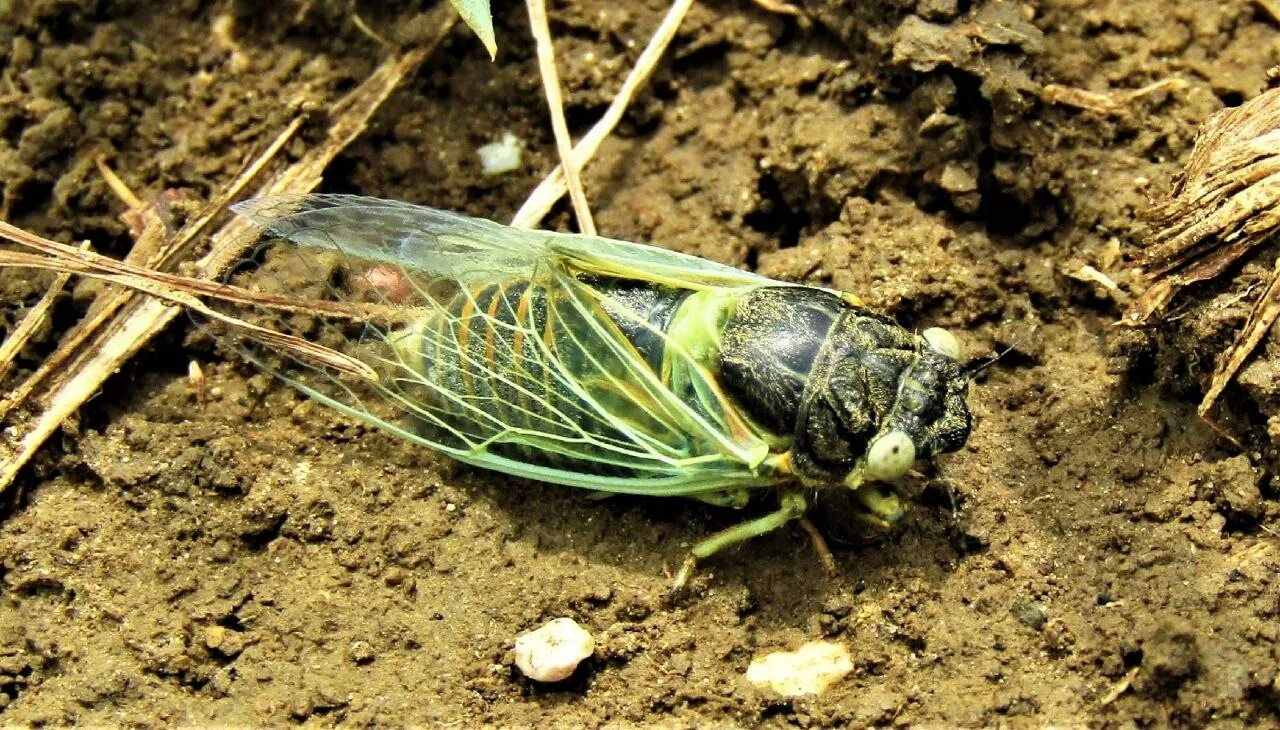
(490, 347)
(447, 245)
(469, 250)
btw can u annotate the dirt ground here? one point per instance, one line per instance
(259, 559)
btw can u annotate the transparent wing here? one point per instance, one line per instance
(469, 250)
(499, 346)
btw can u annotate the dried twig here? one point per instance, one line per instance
(61, 257)
(780, 7)
(1120, 687)
(1225, 203)
(555, 103)
(1107, 104)
(22, 333)
(181, 292)
(539, 202)
(1266, 309)
(151, 250)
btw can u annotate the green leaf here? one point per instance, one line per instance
(476, 14)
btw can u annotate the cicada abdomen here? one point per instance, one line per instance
(609, 365)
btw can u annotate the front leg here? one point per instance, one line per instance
(793, 505)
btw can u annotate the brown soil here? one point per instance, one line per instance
(259, 559)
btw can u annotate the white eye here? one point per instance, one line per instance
(942, 341)
(890, 456)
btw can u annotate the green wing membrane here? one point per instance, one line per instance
(493, 344)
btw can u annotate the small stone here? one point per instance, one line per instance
(215, 636)
(395, 575)
(806, 671)
(553, 651)
(957, 179)
(1032, 613)
(360, 652)
(223, 641)
(501, 156)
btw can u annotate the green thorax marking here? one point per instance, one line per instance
(696, 331)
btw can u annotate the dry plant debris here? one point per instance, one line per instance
(1116, 103)
(1225, 203)
(124, 321)
(539, 202)
(555, 103)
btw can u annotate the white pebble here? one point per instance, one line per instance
(501, 156)
(806, 671)
(552, 651)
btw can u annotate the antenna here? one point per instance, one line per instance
(977, 365)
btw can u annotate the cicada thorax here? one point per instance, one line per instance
(834, 377)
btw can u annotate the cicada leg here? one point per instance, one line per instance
(793, 506)
(820, 546)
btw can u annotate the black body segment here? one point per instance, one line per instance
(806, 363)
(770, 345)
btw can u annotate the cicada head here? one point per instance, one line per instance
(921, 404)
(887, 400)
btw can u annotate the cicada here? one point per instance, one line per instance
(609, 365)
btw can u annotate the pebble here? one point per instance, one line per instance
(501, 156)
(806, 671)
(551, 652)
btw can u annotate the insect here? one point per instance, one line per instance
(609, 365)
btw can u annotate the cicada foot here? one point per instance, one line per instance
(793, 506)
(820, 547)
(878, 505)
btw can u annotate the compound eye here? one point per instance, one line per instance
(942, 341)
(890, 456)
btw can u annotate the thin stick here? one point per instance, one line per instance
(63, 258)
(555, 104)
(22, 333)
(544, 196)
(1264, 314)
(117, 185)
(157, 288)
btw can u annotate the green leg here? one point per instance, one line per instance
(793, 505)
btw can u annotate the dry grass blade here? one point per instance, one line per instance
(184, 292)
(22, 333)
(150, 248)
(555, 104)
(1116, 103)
(539, 202)
(61, 257)
(84, 366)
